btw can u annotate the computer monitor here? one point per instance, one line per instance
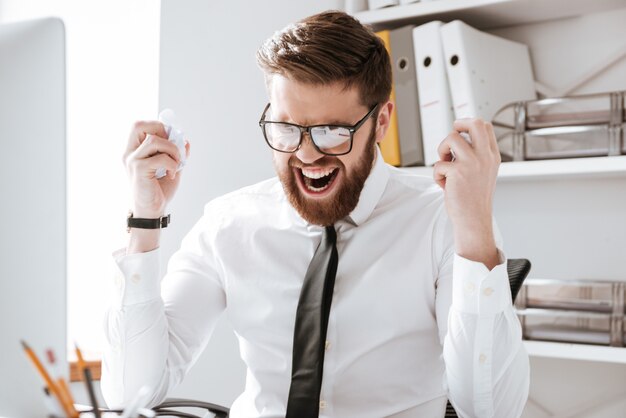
(32, 209)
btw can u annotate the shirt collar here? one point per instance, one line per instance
(372, 190)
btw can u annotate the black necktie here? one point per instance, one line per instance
(309, 337)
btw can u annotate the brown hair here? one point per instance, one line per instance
(330, 47)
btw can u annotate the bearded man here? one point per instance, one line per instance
(355, 289)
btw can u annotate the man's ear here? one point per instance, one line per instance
(383, 120)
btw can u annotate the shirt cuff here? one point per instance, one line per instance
(138, 276)
(478, 291)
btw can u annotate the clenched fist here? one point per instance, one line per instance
(148, 149)
(467, 173)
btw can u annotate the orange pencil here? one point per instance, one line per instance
(46, 377)
(62, 384)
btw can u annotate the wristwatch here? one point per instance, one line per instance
(146, 223)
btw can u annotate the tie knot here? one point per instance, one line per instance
(331, 234)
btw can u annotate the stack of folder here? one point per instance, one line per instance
(446, 71)
(575, 311)
(588, 125)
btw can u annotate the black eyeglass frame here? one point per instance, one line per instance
(351, 128)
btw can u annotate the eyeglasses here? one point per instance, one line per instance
(327, 139)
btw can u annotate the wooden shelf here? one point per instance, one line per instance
(484, 14)
(552, 169)
(576, 351)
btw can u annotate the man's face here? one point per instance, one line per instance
(323, 189)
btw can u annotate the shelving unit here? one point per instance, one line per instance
(588, 198)
(543, 169)
(484, 14)
(576, 351)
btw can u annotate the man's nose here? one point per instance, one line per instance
(308, 153)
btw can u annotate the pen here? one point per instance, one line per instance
(46, 377)
(88, 382)
(61, 383)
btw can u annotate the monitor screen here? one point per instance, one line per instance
(32, 209)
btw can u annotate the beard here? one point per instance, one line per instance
(342, 201)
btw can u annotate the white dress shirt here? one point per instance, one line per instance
(411, 324)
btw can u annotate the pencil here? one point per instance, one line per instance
(54, 406)
(88, 381)
(46, 377)
(62, 384)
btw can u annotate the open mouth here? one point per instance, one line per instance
(318, 181)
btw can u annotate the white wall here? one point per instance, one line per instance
(112, 80)
(565, 50)
(209, 77)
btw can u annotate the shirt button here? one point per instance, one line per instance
(488, 291)
(322, 404)
(482, 358)
(469, 287)
(327, 345)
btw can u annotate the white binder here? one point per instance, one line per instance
(407, 101)
(485, 72)
(433, 89)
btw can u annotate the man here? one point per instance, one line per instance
(420, 307)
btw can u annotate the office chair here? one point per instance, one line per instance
(165, 408)
(517, 270)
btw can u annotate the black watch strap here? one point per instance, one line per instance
(147, 223)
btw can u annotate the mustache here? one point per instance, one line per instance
(326, 162)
